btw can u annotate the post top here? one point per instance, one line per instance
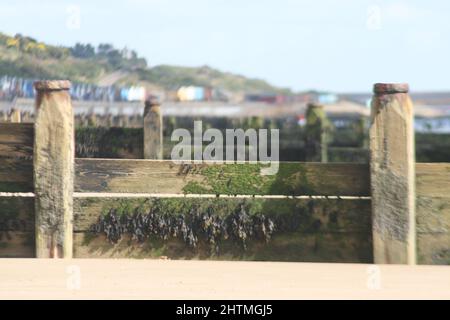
(152, 102)
(390, 88)
(48, 85)
(314, 105)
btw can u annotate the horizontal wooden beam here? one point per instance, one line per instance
(16, 140)
(17, 244)
(305, 230)
(433, 248)
(152, 176)
(292, 247)
(18, 133)
(16, 175)
(433, 179)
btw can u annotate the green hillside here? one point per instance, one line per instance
(28, 58)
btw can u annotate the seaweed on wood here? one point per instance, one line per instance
(199, 224)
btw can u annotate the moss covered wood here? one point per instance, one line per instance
(317, 133)
(148, 176)
(305, 230)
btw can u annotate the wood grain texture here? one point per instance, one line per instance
(16, 175)
(16, 140)
(433, 215)
(19, 133)
(308, 230)
(148, 176)
(323, 247)
(433, 179)
(433, 248)
(17, 244)
(392, 176)
(53, 162)
(16, 214)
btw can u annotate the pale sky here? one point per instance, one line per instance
(344, 45)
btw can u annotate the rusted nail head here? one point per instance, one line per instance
(52, 85)
(383, 88)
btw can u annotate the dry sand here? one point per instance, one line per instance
(166, 279)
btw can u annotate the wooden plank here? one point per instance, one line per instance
(393, 175)
(16, 214)
(306, 230)
(16, 227)
(53, 169)
(124, 143)
(433, 248)
(16, 175)
(301, 247)
(433, 214)
(17, 133)
(151, 176)
(10, 150)
(17, 244)
(16, 140)
(433, 179)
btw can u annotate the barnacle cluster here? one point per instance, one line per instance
(198, 224)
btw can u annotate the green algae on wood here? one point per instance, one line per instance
(308, 230)
(149, 176)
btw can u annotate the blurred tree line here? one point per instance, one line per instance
(117, 58)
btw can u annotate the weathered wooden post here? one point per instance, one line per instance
(153, 131)
(109, 120)
(392, 167)
(27, 118)
(53, 169)
(16, 116)
(316, 139)
(92, 119)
